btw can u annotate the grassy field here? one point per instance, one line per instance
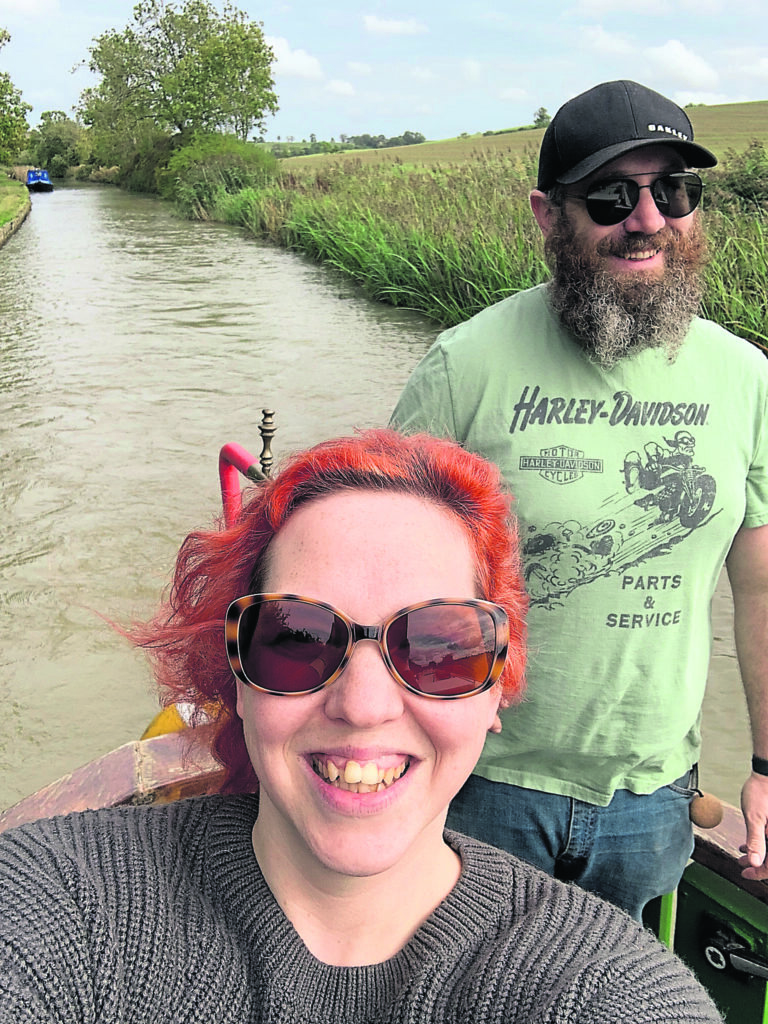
(13, 198)
(730, 125)
(719, 128)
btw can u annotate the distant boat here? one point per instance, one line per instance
(39, 180)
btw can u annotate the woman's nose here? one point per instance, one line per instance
(365, 694)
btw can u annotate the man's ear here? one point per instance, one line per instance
(544, 211)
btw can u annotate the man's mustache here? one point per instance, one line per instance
(661, 240)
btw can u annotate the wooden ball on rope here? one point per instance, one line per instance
(706, 810)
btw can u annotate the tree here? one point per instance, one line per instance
(412, 138)
(238, 63)
(59, 138)
(180, 69)
(13, 113)
(541, 118)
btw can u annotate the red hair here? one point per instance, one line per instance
(186, 637)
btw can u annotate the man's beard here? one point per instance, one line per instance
(616, 315)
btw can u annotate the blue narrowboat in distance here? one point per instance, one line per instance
(39, 180)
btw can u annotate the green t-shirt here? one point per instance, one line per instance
(629, 486)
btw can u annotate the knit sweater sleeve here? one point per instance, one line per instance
(114, 917)
(43, 947)
(627, 975)
(555, 954)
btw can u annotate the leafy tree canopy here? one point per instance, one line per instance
(13, 113)
(541, 118)
(180, 68)
(58, 136)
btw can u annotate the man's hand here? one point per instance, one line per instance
(754, 806)
(747, 564)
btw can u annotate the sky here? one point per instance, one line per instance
(431, 66)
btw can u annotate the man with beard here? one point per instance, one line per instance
(613, 309)
(564, 386)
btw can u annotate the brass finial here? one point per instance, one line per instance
(267, 430)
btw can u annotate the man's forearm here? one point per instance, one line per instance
(748, 572)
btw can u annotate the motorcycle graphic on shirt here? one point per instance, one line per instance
(665, 496)
(673, 482)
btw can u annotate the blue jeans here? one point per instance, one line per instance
(634, 849)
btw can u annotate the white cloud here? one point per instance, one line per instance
(677, 62)
(471, 70)
(422, 74)
(30, 8)
(358, 68)
(340, 88)
(610, 43)
(293, 63)
(701, 7)
(391, 27)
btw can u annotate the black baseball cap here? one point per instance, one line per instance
(611, 119)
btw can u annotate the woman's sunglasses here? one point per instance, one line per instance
(288, 645)
(613, 200)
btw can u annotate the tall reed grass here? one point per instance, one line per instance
(737, 276)
(448, 240)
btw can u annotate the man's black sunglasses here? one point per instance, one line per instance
(613, 200)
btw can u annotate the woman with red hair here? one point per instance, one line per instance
(353, 636)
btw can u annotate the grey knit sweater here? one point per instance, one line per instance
(161, 914)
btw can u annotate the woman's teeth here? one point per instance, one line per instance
(358, 778)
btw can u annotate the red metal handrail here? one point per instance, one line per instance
(234, 460)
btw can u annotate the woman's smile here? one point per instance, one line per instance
(354, 777)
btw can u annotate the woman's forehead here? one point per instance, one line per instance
(368, 516)
(389, 539)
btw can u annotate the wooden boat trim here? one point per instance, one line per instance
(157, 770)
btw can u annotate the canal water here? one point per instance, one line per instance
(132, 346)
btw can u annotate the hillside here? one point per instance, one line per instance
(719, 128)
(730, 125)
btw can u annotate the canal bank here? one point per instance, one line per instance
(15, 205)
